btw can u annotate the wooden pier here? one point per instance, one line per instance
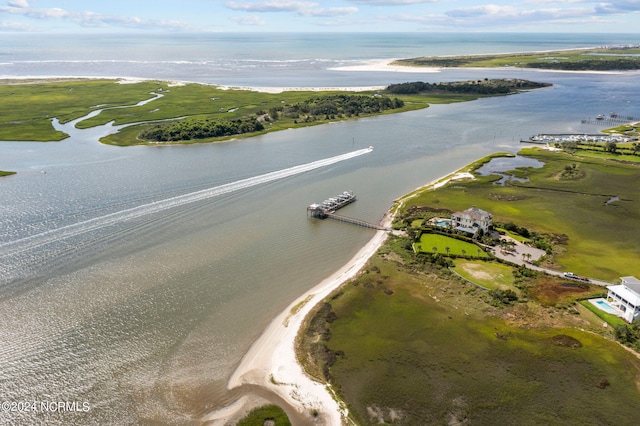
(327, 209)
(355, 221)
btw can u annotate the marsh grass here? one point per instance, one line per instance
(431, 352)
(27, 109)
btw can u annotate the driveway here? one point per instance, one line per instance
(516, 256)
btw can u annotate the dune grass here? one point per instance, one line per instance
(602, 239)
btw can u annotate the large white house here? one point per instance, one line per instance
(471, 220)
(625, 297)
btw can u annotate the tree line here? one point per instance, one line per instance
(200, 129)
(335, 106)
(329, 107)
(475, 87)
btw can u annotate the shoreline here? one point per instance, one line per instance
(271, 362)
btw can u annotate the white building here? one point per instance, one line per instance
(625, 297)
(471, 220)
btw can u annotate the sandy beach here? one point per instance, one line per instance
(271, 362)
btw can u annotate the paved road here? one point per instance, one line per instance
(517, 257)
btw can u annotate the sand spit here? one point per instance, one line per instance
(271, 362)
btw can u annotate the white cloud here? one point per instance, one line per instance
(249, 20)
(19, 3)
(14, 26)
(302, 8)
(87, 18)
(391, 2)
(618, 7)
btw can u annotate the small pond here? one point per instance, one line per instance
(500, 165)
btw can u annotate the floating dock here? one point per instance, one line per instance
(327, 209)
(322, 210)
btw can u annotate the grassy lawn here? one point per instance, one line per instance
(418, 349)
(448, 246)
(602, 239)
(490, 275)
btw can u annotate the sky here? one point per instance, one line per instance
(55, 16)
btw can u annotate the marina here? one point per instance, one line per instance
(550, 138)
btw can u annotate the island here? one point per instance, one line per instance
(606, 58)
(5, 173)
(160, 113)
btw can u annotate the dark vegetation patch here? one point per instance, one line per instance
(566, 341)
(555, 291)
(267, 415)
(507, 197)
(200, 129)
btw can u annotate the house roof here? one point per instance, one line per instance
(474, 213)
(629, 294)
(630, 280)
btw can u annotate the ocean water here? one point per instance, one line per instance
(259, 59)
(134, 279)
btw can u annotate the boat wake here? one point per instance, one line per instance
(38, 242)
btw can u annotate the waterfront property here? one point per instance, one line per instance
(472, 221)
(625, 298)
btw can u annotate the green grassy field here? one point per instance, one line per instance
(4, 173)
(448, 246)
(602, 239)
(418, 349)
